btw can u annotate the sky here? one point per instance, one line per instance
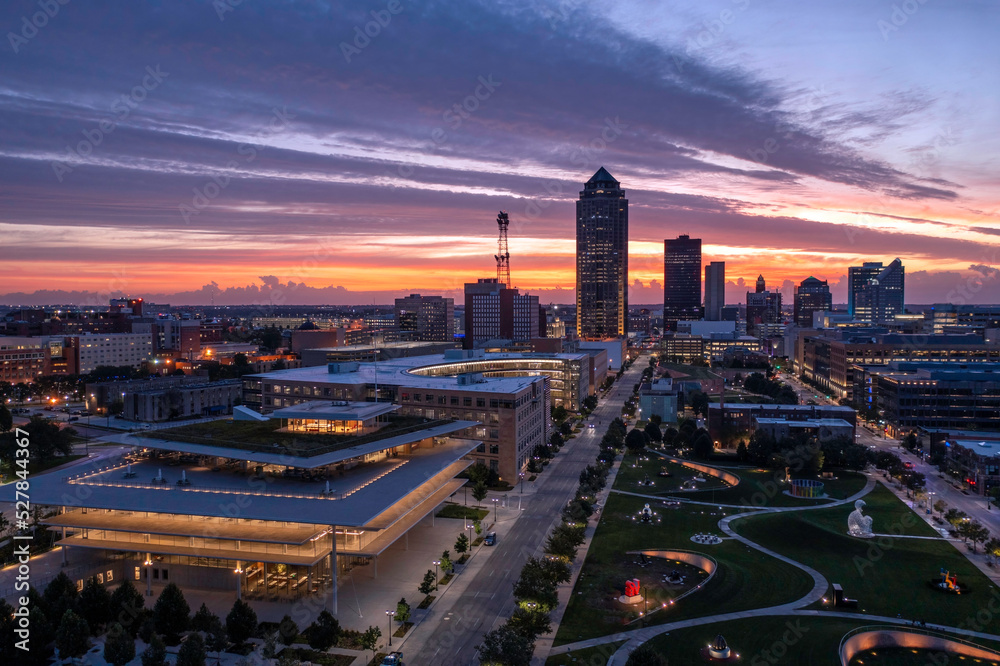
(346, 153)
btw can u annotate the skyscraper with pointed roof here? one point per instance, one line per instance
(601, 258)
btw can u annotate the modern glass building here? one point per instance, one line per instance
(875, 292)
(681, 281)
(601, 258)
(715, 290)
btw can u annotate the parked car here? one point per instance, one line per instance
(72, 418)
(393, 659)
(491, 539)
(85, 413)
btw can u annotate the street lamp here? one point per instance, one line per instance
(436, 563)
(390, 614)
(522, 481)
(495, 501)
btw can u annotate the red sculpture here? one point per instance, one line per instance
(632, 588)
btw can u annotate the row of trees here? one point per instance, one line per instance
(780, 392)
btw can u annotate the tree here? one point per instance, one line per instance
(975, 532)
(204, 619)
(462, 543)
(95, 605)
(72, 638)
(556, 439)
(288, 631)
(506, 646)
(119, 647)
(910, 442)
(156, 653)
(402, 611)
(566, 428)
(369, 639)
(954, 516)
(446, 565)
(530, 623)
(216, 640)
(992, 549)
(427, 584)
(652, 431)
(636, 440)
(59, 596)
(192, 652)
(127, 606)
(270, 338)
(940, 506)
(324, 632)
(479, 492)
(645, 655)
(241, 623)
(703, 447)
(171, 613)
(699, 402)
(559, 413)
(6, 419)
(741, 451)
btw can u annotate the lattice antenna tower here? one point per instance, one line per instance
(503, 256)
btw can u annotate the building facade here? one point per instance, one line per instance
(715, 290)
(681, 281)
(115, 349)
(601, 259)
(153, 404)
(812, 295)
(763, 310)
(428, 318)
(494, 311)
(876, 292)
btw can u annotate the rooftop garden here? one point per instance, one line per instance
(266, 436)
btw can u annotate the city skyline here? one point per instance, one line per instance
(346, 156)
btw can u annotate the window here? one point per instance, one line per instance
(454, 400)
(494, 449)
(480, 402)
(442, 400)
(156, 574)
(479, 449)
(164, 574)
(137, 573)
(429, 398)
(467, 402)
(417, 397)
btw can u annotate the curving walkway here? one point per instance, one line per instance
(637, 637)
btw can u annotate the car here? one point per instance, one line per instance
(590, 425)
(76, 412)
(72, 418)
(85, 413)
(491, 539)
(393, 659)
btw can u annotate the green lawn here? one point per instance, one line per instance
(744, 580)
(760, 488)
(264, 436)
(461, 511)
(595, 656)
(888, 576)
(761, 640)
(628, 477)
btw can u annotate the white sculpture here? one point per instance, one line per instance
(858, 524)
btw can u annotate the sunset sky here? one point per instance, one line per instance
(186, 151)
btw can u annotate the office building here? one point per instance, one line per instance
(511, 408)
(428, 318)
(763, 310)
(812, 295)
(659, 398)
(159, 403)
(494, 312)
(114, 349)
(743, 418)
(948, 317)
(876, 292)
(715, 290)
(930, 394)
(828, 358)
(681, 281)
(601, 259)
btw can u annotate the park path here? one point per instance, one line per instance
(636, 637)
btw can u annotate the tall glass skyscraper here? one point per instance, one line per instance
(876, 292)
(601, 259)
(715, 290)
(681, 281)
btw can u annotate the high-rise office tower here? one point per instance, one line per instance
(681, 281)
(430, 318)
(876, 292)
(763, 309)
(601, 259)
(494, 312)
(715, 290)
(812, 295)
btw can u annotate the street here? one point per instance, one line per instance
(482, 599)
